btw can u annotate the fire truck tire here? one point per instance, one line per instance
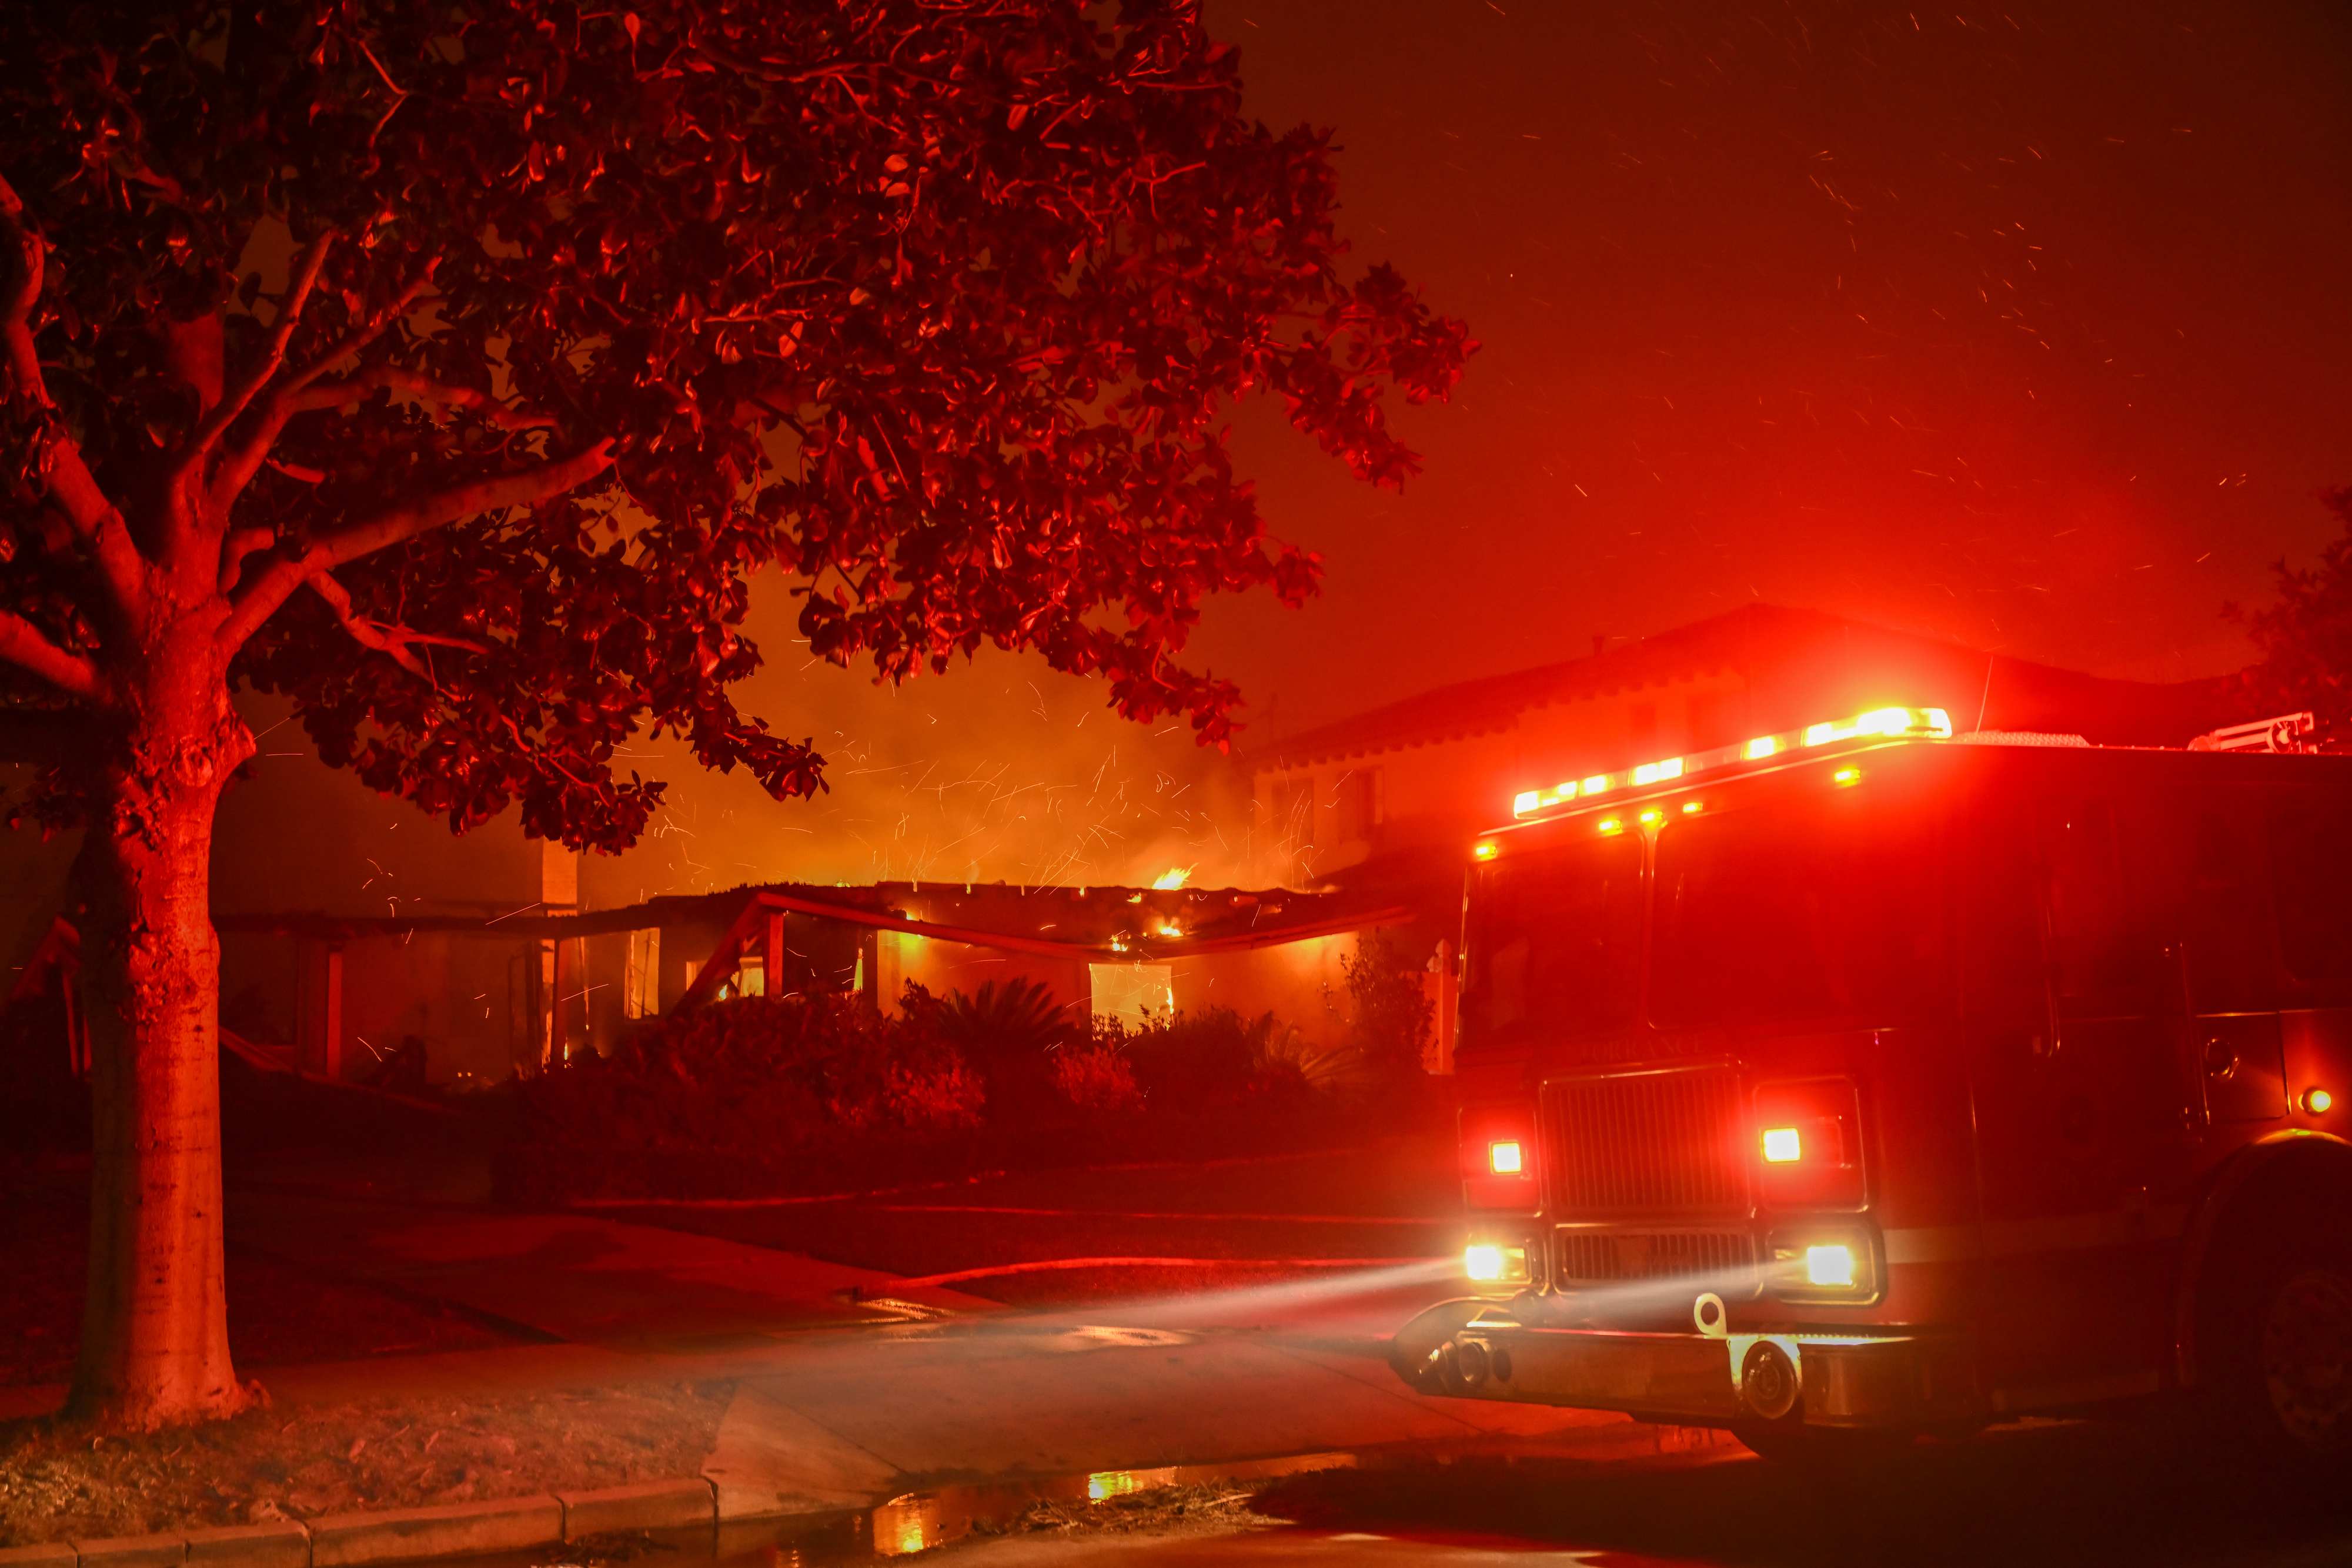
(2279, 1341)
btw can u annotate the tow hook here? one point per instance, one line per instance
(1768, 1385)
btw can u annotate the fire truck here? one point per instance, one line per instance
(1866, 1079)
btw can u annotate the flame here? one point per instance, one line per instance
(1174, 877)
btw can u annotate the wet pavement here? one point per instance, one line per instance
(2049, 1493)
(893, 1421)
(2044, 1493)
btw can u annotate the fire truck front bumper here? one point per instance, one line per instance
(1726, 1379)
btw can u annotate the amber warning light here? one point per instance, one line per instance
(1487, 1264)
(1885, 723)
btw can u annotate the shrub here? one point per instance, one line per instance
(1212, 1059)
(1391, 1027)
(1096, 1077)
(762, 1095)
(1009, 1031)
(755, 1080)
(948, 1094)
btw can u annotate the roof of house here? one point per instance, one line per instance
(1094, 924)
(1753, 640)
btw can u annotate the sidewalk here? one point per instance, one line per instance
(840, 1424)
(846, 1400)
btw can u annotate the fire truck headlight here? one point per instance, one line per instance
(1832, 1265)
(1491, 1263)
(1782, 1144)
(2317, 1101)
(1505, 1159)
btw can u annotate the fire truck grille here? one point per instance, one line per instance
(1644, 1143)
(1594, 1257)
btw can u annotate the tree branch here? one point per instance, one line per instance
(240, 543)
(360, 337)
(383, 636)
(283, 403)
(233, 402)
(344, 393)
(22, 644)
(95, 520)
(277, 581)
(16, 314)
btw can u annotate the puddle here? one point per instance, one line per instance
(920, 1521)
(917, 1522)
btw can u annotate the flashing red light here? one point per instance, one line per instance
(1809, 1133)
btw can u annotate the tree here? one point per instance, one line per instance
(586, 316)
(2305, 638)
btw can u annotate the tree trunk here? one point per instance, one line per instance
(154, 1343)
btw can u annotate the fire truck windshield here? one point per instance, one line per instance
(1824, 908)
(1555, 943)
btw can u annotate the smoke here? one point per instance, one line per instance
(1001, 771)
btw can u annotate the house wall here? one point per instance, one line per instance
(1366, 804)
(1429, 792)
(1299, 982)
(941, 968)
(470, 1000)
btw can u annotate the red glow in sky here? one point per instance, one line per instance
(2023, 326)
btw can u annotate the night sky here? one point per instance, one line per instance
(2023, 327)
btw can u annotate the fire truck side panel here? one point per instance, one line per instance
(1923, 1200)
(2057, 1013)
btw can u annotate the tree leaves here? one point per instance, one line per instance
(940, 307)
(2306, 637)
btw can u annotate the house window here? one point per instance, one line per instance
(1129, 992)
(1356, 802)
(641, 983)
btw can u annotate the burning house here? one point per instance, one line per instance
(423, 1001)
(1367, 818)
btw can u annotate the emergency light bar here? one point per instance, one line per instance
(1890, 723)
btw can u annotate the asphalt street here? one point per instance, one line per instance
(930, 1418)
(2047, 1494)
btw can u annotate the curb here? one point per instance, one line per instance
(395, 1535)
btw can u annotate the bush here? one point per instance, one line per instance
(1393, 1019)
(1010, 1032)
(1096, 1078)
(1215, 1059)
(735, 1091)
(762, 1095)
